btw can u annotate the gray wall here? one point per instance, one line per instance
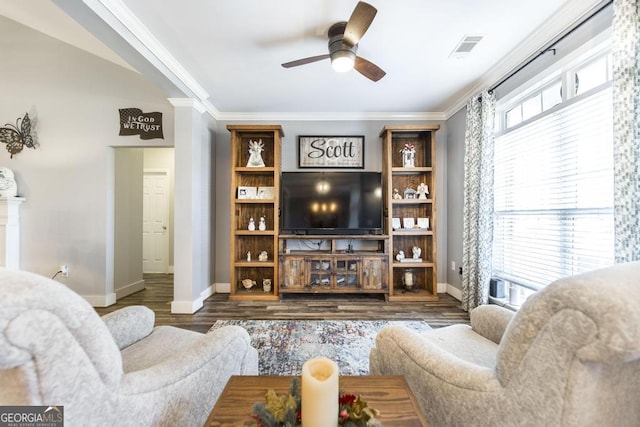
(128, 218)
(73, 99)
(292, 129)
(455, 190)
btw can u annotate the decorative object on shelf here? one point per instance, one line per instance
(410, 193)
(261, 224)
(408, 155)
(265, 193)
(331, 152)
(146, 125)
(248, 283)
(266, 285)
(423, 191)
(408, 223)
(395, 223)
(280, 410)
(263, 256)
(249, 256)
(396, 194)
(408, 280)
(8, 186)
(400, 256)
(252, 224)
(255, 156)
(245, 192)
(423, 223)
(416, 251)
(17, 137)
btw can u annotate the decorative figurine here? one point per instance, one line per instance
(423, 191)
(252, 224)
(416, 252)
(8, 186)
(408, 156)
(410, 193)
(400, 256)
(248, 283)
(261, 225)
(263, 256)
(396, 194)
(255, 158)
(249, 256)
(266, 285)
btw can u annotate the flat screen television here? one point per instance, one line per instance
(331, 203)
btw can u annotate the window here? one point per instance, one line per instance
(553, 183)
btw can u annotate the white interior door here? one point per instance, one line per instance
(155, 223)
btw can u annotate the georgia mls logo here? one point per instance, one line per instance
(31, 416)
(134, 122)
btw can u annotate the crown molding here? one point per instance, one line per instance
(330, 116)
(569, 14)
(119, 17)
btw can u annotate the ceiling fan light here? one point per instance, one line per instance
(343, 61)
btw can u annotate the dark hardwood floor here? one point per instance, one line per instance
(159, 294)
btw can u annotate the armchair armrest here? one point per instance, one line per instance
(129, 324)
(491, 321)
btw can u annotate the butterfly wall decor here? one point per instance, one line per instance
(17, 137)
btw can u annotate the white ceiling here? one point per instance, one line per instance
(228, 53)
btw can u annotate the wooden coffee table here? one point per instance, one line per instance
(388, 394)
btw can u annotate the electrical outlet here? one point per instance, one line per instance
(64, 270)
(453, 265)
(460, 271)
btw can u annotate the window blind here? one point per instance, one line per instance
(553, 201)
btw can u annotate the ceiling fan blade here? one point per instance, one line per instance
(359, 22)
(368, 69)
(303, 61)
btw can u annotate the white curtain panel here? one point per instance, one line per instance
(626, 128)
(478, 201)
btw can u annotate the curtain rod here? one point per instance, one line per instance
(551, 46)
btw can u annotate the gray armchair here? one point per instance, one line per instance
(115, 370)
(569, 357)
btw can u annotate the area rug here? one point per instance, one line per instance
(284, 345)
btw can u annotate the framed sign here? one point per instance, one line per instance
(331, 152)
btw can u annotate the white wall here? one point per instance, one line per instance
(73, 98)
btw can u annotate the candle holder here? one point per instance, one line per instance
(409, 281)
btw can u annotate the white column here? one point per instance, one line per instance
(10, 232)
(188, 206)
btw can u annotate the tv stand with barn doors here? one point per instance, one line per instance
(333, 263)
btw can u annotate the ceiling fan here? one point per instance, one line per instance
(343, 45)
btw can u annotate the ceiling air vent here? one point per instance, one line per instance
(465, 47)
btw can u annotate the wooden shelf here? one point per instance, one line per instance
(243, 240)
(398, 177)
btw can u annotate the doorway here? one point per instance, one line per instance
(155, 221)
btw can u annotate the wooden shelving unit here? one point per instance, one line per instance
(396, 176)
(255, 242)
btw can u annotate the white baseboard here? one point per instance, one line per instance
(454, 292)
(101, 300)
(129, 289)
(170, 269)
(442, 288)
(208, 292)
(223, 288)
(186, 307)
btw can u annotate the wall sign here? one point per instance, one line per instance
(134, 122)
(331, 152)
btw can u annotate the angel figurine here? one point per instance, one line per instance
(255, 158)
(423, 191)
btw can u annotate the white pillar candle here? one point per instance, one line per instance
(408, 278)
(320, 393)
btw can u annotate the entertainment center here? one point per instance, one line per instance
(333, 231)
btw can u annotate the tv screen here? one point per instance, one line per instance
(331, 203)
